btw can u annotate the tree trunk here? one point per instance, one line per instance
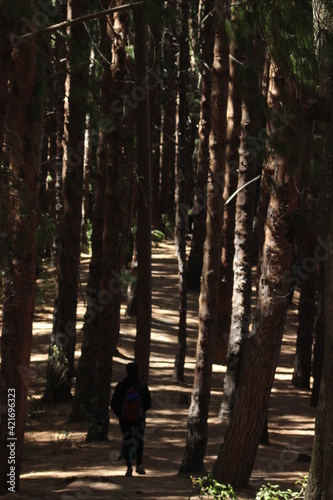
(319, 338)
(234, 115)
(20, 271)
(4, 64)
(306, 317)
(60, 368)
(199, 211)
(197, 426)
(143, 239)
(170, 48)
(320, 482)
(114, 238)
(236, 457)
(242, 266)
(183, 182)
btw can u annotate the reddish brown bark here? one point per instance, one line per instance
(23, 149)
(237, 454)
(197, 426)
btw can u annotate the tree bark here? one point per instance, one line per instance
(242, 265)
(234, 115)
(143, 239)
(60, 368)
(320, 481)
(5, 49)
(115, 233)
(85, 375)
(199, 211)
(306, 317)
(197, 426)
(319, 338)
(236, 457)
(183, 181)
(20, 271)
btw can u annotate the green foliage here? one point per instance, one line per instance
(273, 492)
(211, 488)
(157, 236)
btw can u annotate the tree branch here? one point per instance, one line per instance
(79, 20)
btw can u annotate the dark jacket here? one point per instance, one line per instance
(120, 390)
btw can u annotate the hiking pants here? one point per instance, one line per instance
(132, 440)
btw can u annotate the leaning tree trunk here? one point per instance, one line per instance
(197, 425)
(236, 457)
(60, 368)
(182, 194)
(22, 217)
(320, 482)
(199, 211)
(114, 239)
(242, 266)
(143, 238)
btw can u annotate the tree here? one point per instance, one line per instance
(320, 482)
(4, 59)
(62, 346)
(245, 208)
(144, 202)
(85, 373)
(197, 426)
(183, 179)
(199, 210)
(22, 144)
(115, 234)
(261, 351)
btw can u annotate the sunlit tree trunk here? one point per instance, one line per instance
(234, 115)
(22, 217)
(197, 425)
(242, 265)
(236, 457)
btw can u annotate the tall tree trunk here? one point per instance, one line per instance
(242, 266)
(320, 482)
(22, 216)
(170, 49)
(114, 238)
(199, 211)
(143, 239)
(85, 375)
(183, 182)
(234, 115)
(236, 457)
(306, 317)
(4, 64)
(60, 368)
(319, 338)
(197, 425)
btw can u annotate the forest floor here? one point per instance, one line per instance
(58, 463)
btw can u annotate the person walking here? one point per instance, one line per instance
(130, 401)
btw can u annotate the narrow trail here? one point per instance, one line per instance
(57, 462)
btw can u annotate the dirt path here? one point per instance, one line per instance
(59, 464)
